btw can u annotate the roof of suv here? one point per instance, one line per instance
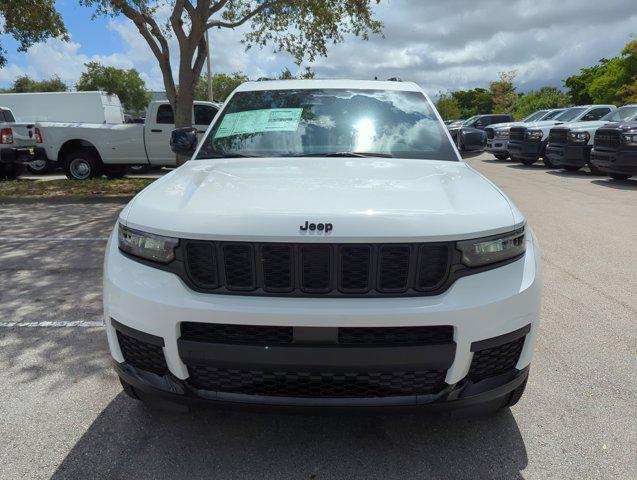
(314, 84)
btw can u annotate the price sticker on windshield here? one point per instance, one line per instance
(259, 121)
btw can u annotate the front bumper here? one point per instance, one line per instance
(498, 146)
(615, 161)
(568, 155)
(525, 149)
(18, 154)
(487, 312)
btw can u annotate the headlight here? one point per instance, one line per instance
(483, 251)
(504, 132)
(579, 137)
(630, 138)
(534, 134)
(147, 245)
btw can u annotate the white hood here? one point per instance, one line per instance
(586, 125)
(375, 199)
(507, 124)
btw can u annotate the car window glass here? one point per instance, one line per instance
(204, 114)
(8, 116)
(552, 115)
(165, 114)
(596, 114)
(622, 114)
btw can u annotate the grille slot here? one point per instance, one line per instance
(316, 269)
(277, 268)
(395, 335)
(316, 384)
(145, 356)
(242, 334)
(355, 269)
(605, 138)
(558, 136)
(394, 268)
(239, 266)
(490, 131)
(517, 133)
(495, 361)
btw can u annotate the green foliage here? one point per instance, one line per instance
(286, 74)
(503, 93)
(29, 22)
(473, 102)
(611, 81)
(25, 84)
(222, 85)
(448, 107)
(127, 84)
(544, 98)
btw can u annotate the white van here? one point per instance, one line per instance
(73, 107)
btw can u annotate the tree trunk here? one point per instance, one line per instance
(183, 105)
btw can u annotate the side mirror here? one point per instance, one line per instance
(183, 141)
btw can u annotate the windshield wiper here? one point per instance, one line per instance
(345, 154)
(230, 155)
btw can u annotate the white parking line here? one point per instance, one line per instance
(53, 239)
(58, 324)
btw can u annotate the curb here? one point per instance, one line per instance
(66, 199)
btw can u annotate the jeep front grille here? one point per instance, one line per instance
(317, 269)
(517, 133)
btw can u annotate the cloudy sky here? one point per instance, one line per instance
(442, 45)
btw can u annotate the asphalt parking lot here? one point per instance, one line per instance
(63, 415)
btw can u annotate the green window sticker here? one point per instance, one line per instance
(258, 121)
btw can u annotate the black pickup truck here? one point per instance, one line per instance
(615, 150)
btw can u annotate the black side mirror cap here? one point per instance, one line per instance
(183, 141)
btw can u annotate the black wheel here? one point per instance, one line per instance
(516, 394)
(501, 157)
(40, 167)
(81, 165)
(137, 169)
(594, 170)
(619, 176)
(528, 161)
(115, 171)
(548, 163)
(11, 171)
(571, 168)
(129, 389)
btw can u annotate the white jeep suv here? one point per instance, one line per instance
(326, 246)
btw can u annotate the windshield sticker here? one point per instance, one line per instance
(258, 121)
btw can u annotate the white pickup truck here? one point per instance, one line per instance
(88, 150)
(18, 144)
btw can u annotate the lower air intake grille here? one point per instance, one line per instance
(142, 355)
(395, 335)
(316, 384)
(495, 361)
(243, 334)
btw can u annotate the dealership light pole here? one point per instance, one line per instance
(209, 68)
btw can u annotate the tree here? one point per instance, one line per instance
(286, 74)
(448, 107)
(304, 28)
(544, 98)
(25, 84)
(29, 22)
(127, 84)
(222, 85)
(503, 93)
(473, 102)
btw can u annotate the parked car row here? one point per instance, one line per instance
(603, 137)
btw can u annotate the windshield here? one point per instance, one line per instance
(534, 116)
(552, 114)
(470, 120)
(622, 114)
(570, 114)
(280, 123)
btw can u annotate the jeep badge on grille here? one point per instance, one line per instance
(321, 227)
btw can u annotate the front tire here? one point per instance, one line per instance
(594, 170)
(548, 163)
(619, 176)
(501, 157)
(571, 168)
(527, 161)
(40, 167)
(81, 165)
(115, 171)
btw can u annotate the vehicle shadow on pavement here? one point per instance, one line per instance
(127, 440)
(617, 184)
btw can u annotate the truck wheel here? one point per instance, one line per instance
(528, 161)
(81, 165)
(594, 170)
(501, 157)
(619, 176)
(548, 163)
(571, 168)
(40, 167)
(114, 171)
